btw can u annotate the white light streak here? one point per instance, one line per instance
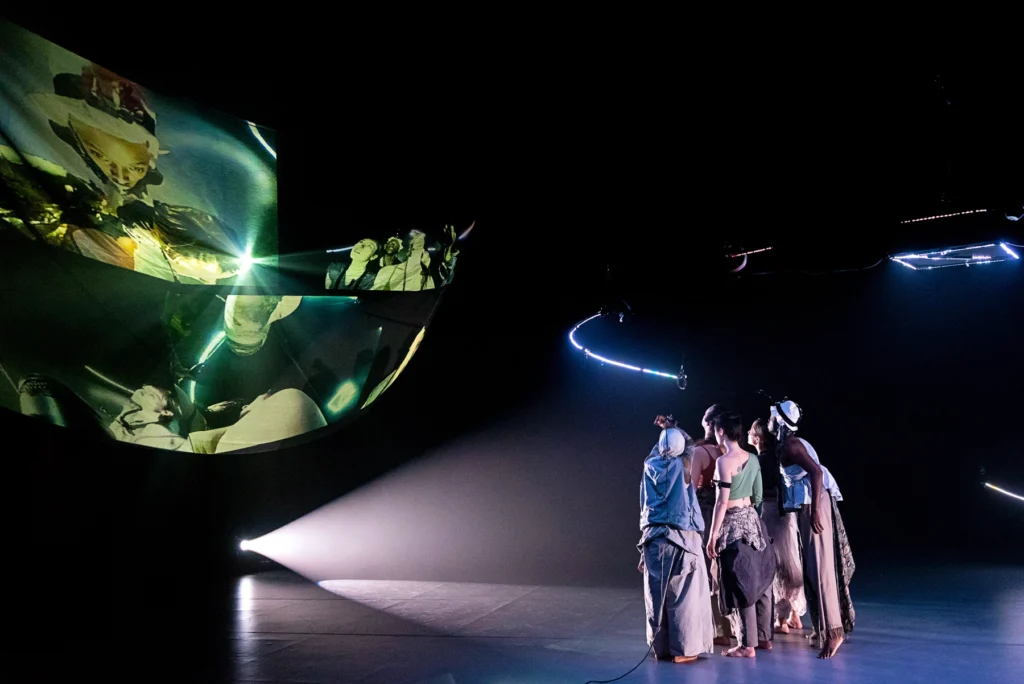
(1003, 491)
(591, 355)
(753, 251)
(9, 378)
(212, 347)
(941, 216)
(1009, 251)
(104, 378)
(901, 261)
(256, 132)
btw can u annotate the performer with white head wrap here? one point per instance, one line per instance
(810, 490)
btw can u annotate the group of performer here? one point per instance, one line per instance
(739, 546)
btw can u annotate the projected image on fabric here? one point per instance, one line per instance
(410, 263)
(96, 164)
(187, 368)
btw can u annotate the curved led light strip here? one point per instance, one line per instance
(942, 216)
(1003, 491)
(602, 359)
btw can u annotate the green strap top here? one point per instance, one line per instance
(747, 482)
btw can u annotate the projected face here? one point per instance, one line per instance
(78, 168)
(363, 250)
(123, 163)
(152, 400)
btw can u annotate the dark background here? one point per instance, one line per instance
(594, 172)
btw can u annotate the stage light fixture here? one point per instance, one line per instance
(679, 377)
(970, 255)
(245, 545)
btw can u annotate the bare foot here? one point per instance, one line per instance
(764, 645)
(831, 647)
(684, 659)
(740, 652)
(782, 628)
(795, 622)
(812, 640)
(723, 641)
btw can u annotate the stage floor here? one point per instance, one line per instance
(914, 624)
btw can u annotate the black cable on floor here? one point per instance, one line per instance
(661, 614)
(608, 681)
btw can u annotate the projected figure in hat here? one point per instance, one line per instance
(105, 120)
(676, 594)
(739, 541)
(809, 490)
(790, 602)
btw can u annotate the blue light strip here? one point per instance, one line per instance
(602, 359)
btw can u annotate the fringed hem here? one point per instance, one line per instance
(835, 633)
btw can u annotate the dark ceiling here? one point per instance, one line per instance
(586, 147)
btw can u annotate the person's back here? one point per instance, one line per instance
(796, 485)
(665, 498)
(743, 470)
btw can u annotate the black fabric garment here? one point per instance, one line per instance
(769, 474)
(745, 573)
